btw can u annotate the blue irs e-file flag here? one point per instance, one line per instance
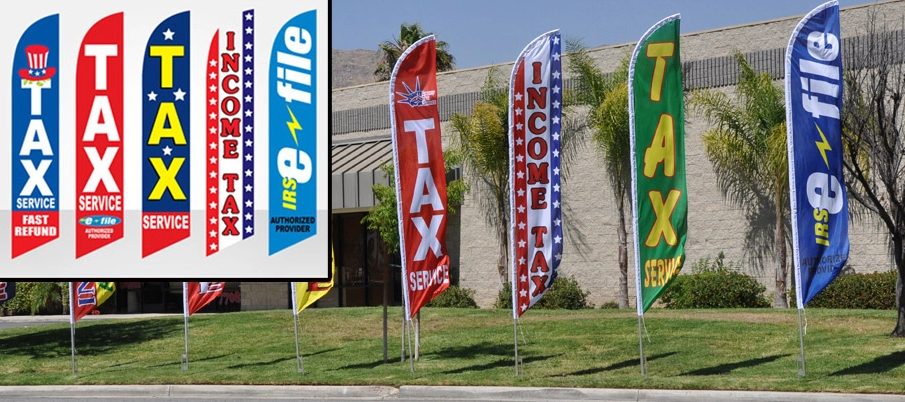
(816, 183)
(292, 180)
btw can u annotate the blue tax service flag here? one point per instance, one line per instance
(819, 202)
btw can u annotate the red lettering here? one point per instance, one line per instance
(540, 284)
(230, 207)
(538, 196)
(230, 181)
(230, 229)
(532, 122)
(537, 173)
(539, 232)
(230, 127)
(229, 149)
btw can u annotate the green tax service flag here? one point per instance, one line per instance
(659, 198)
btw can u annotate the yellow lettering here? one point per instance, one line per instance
(660, 51)
(662, 149)
(663, 212)
(166, 112)
(167, 179)
(166, 54)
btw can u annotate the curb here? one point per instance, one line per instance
(207, 391)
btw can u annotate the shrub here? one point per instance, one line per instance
(857, 291)
(456, 297)
(610, 305)
(43, 297)
(565, 293)
(713, 284)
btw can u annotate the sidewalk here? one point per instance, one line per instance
(412, 392)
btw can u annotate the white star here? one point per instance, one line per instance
(522, 278)
(556, 74)
(248, 71)
(519, 141)
(248, 45)
(213, 88)
(523, 293)
(520, 174)
(557, 239)
(213, 160)
(518, 112)
(212, 101)
(213, 76)
(557, 221)
(213, 205)
(248, 203)
(556, 104)
(556, 89)
(556, 153)
(214, 246)
(167, 150)
(247, 157)
(213, 144)
(248, 187)
(248, 217)
(248, 143)
(556, 56)
(519, 158)
(180, 95)
(248, 173)
(247, 98)
(213, 233)
(556, 171)
(213, 115)
(247, 84)
(556, 120)
(213, 220)
(558, 256)
(521, 193)
(524, 307)
(248, 229)
(248, 113)
(556, 188)
(518, 96)
(213, 174)
(518, 127)
(555, 204)
(521, 209)
(168, 34)
(213, 63)
(555, 40)
(248, 31)
(213, 190)
(213, 130)
(248, 59)
(521, 225)
(248, 129)
(152, 96)
(556, 133)
(248, 16)
(521, 244)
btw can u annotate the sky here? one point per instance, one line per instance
(484, 32)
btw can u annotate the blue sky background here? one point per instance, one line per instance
(482, 32)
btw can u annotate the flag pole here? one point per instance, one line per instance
(185, 315)
(641, 346)
(402, 355)
(801, 371)
(411, 350)
(515, 337)
(299, 363)
(72, 327)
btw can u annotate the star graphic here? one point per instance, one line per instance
(248, 129)
(248, 173)
(248, 59)
(168, 34)
(213, 174)
(213, 115)
(518, 96)
(556, 104)
(213, 160)
(247, 157)
(214, 246)
(167, 150)
(213, 205)
(521, 243)
(555, 204)
(248, 229)
(247, 98)
(248, 187)
(521, 261)
(213, 76)
(556, 171)
(213, 88)
(558, 256)
(213, 233)
(213, 190)
(556, 188)
(520, 174)
(248, 71)
(248, 31)
(248, 203)
(519, 127)
(556, 89)
(556, 133)
(152, 96)
(521, 193)
(248, 217)
(521, 209)
(518, 112)
(556, 153)
(248, 113)
(557, 221)
(180, 94)
(249, 16)
(556, 56)
(519, 158)
(247, 84)
(248, 45)
(213, 144)
(213, 63)
(557, 239)
(212, 101)
(213, 220)
(555, 40)
(521, 225)
(519, 141)
(213, 130)
(524, 306)
(523, 293)
(556, 120)
(248, 143)
(556, 74)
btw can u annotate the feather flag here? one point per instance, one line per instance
(420, 175)
(305, 294)
(196, 295)
(657, 137)
(535, 117)
(84, 297)
(819, 203)
(7, 292)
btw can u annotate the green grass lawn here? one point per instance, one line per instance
(847, 350)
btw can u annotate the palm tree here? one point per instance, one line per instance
(606, 99)
(747, 146)
(409, 34)
(483, 142)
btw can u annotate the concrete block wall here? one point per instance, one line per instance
(265, 296)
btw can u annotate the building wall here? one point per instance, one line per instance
(265, 296)
(715, 225)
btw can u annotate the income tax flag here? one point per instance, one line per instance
(535, 114)
(305, 294)
(657, 138)
(420, 175)
(196, 295)
(83, 298)
(817, 193)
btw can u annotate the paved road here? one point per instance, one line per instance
(195, 393)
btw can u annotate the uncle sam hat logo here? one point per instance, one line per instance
(37, 64)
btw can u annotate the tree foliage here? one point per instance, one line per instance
(391, 50)
(747, 146)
